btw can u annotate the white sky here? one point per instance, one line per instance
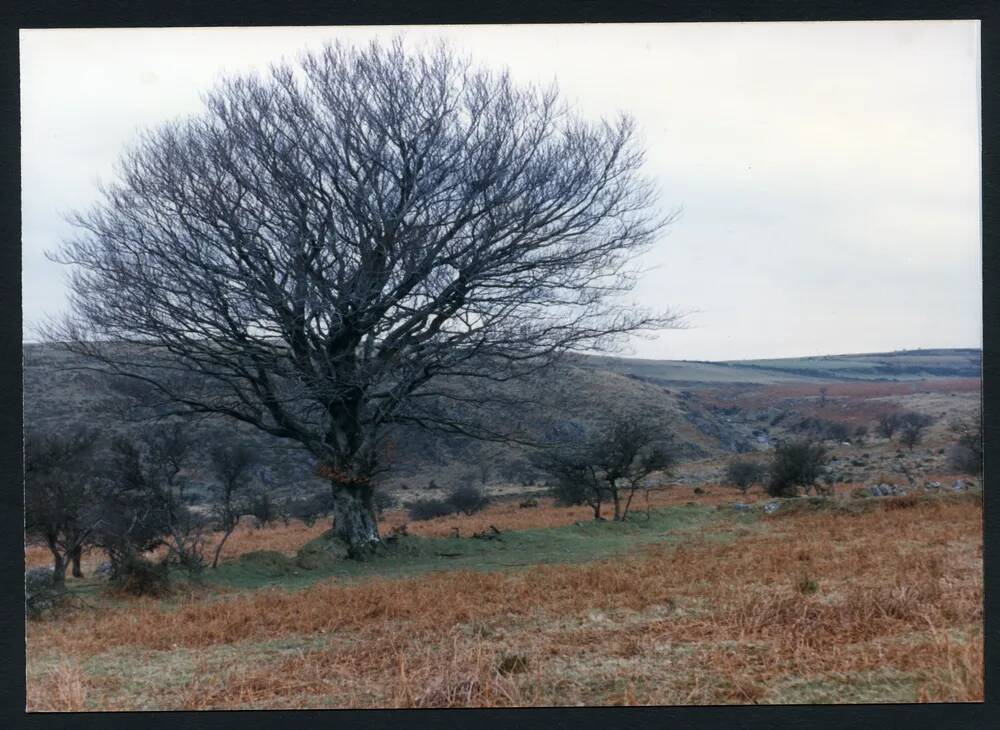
(828, 172)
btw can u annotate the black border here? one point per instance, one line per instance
(149, 13)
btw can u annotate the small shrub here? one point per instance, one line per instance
(528, 503)
(512, 664)
(141, 577)
(468, 499)
(744, 474)
(428, 509)
(569, 493)
(41, 593)
(807, 585)
(432, 484)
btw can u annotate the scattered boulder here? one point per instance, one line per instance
(932, 486)
(959, 486)
(771, 507)
(104, 570)
(741, 507)
(528, 503)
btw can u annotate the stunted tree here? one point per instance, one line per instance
(888, 424)
(369, 237)
(609, 464)
(61, 484)
(744, 474)
(913, 427)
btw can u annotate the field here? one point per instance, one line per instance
(701, 597)
(697, 605)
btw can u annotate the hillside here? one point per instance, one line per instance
(713, 409)
(891, 366)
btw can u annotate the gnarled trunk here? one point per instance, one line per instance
(354, 518)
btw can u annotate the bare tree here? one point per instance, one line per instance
(350, 243)
(611, 463)
(888, 424)
(233, 467)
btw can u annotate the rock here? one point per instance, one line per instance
(771, 507)
(932, 485)
(860, 493)
(104, 569)
(959, 486)
(740, 507)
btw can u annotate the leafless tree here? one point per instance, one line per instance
(233, 467)
(369, 237)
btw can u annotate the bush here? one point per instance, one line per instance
(965, 459)
(140, 577)
(744, 474)
(41, 593)
(428, 509)
(311, 508)
(468, 499)
(796, 464)
(569, 493)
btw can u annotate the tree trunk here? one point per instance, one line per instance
(58, 568)
(76, 555)
(618, 505)
(218, 548)
(354, 518)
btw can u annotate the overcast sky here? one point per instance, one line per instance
(828, 172)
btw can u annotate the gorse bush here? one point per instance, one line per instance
(428, 509)
(468, 499)
(142, 577)
(794, 465)
(744, 474)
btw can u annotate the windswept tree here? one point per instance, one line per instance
(368, 237)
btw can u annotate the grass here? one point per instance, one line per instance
(697, 607)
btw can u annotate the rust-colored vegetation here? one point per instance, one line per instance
(882, 605)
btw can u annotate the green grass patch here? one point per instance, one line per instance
(580, 542)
